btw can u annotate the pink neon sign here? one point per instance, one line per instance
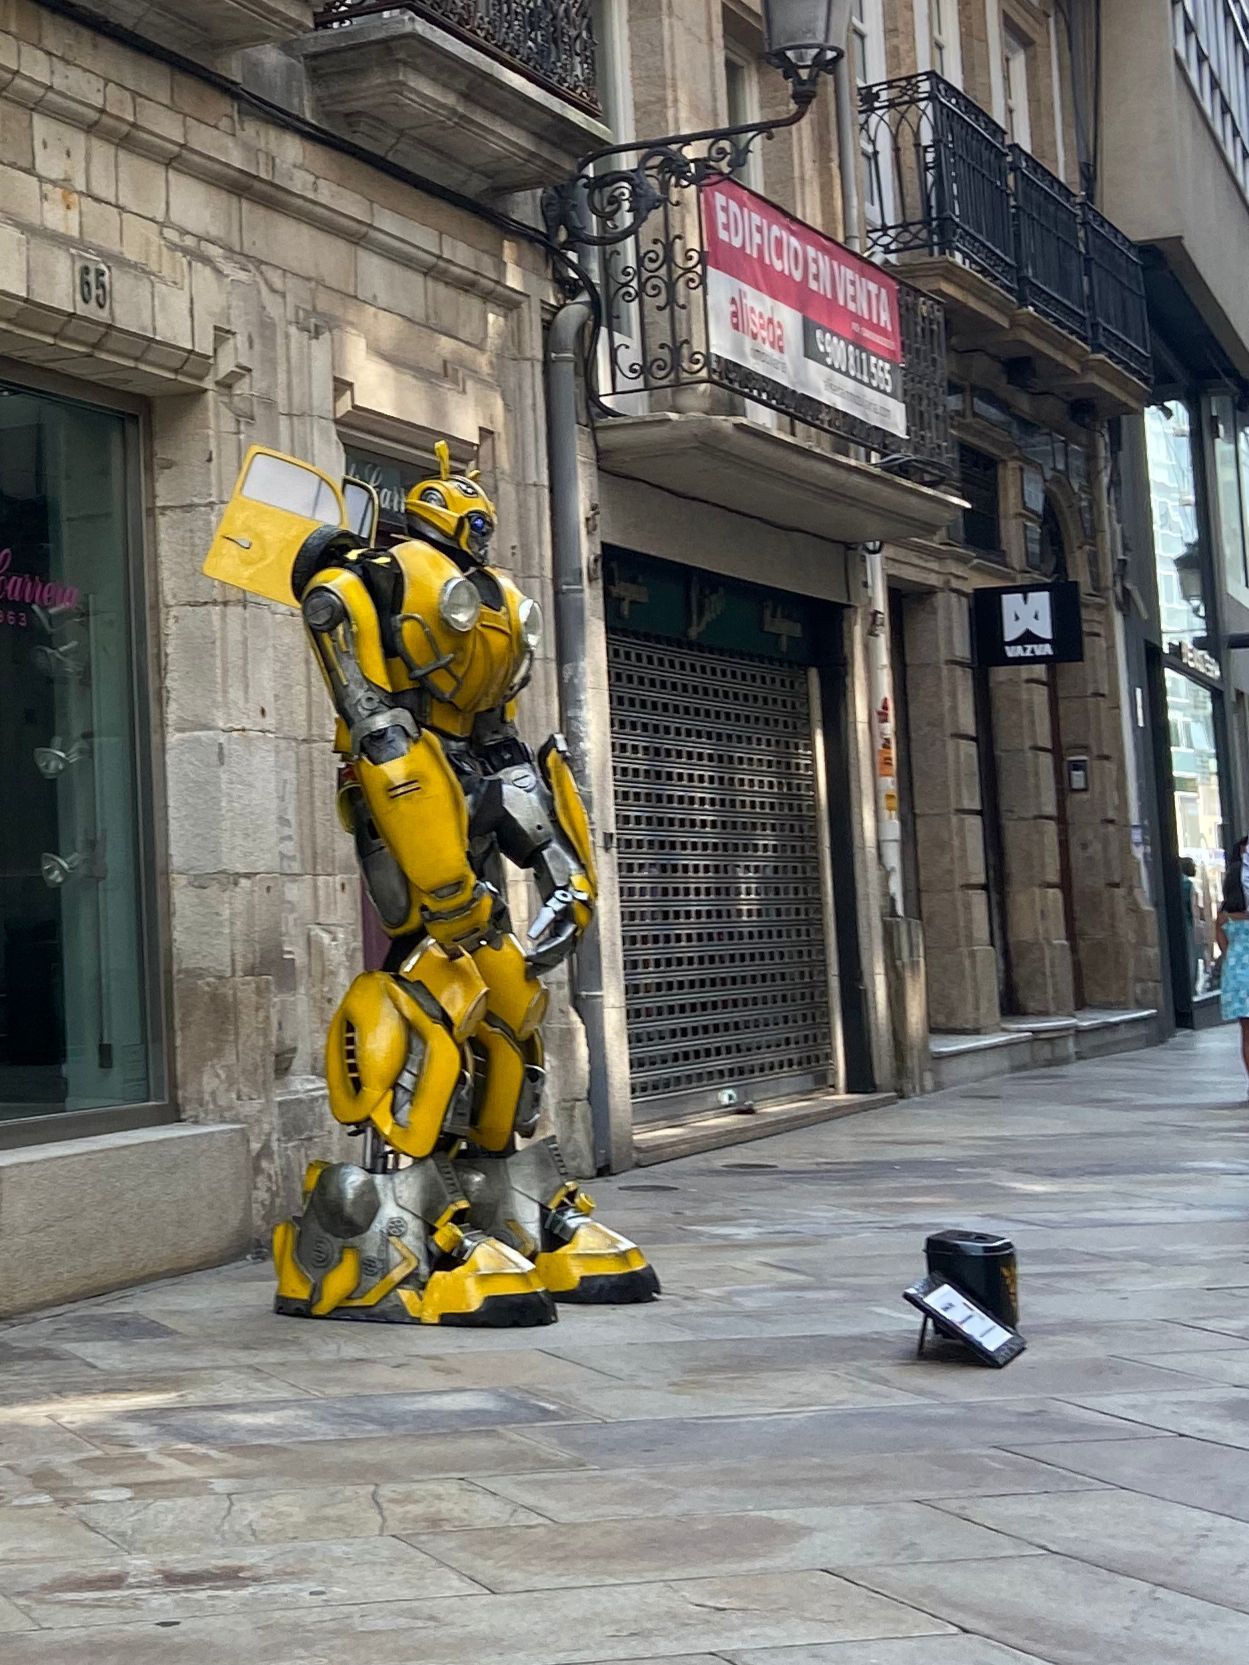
(25, 587)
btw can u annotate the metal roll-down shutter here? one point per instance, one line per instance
(726, 978)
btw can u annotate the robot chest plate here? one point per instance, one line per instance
(470, 669)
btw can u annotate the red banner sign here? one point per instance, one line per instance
(796, 307)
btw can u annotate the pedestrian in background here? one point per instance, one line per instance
(1233, 938)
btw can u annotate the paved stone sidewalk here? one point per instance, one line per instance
(755, 1470)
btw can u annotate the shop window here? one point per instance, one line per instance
(981, 525)
(76, 1024)
(1198, 818)
(1230, 428)
(1177, 540)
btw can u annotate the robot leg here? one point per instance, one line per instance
(525, 1196)
(528, 1199)
(390, 1243)
(395, 1247)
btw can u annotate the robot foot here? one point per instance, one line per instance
(528, 1200)
(397, 1248)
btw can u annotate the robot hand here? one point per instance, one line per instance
(554, 932)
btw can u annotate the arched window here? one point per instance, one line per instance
(1051, 559)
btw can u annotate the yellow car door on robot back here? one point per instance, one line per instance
(364, 509)
(277, 501)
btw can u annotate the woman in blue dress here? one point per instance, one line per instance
(1233, 939)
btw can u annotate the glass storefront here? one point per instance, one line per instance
(76, 1024)
(1177, 543)
(1198, 817)
(1191, 685)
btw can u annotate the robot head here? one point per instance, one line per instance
(452, 510)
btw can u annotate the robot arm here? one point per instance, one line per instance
(537, 815)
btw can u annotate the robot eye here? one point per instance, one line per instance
(431, 494)
(479, 523)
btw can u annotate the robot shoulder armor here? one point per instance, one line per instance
(425, 571)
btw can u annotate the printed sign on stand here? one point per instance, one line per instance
(800, 310)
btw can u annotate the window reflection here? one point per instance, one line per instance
(1177, 548)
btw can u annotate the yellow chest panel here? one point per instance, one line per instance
(466, 671)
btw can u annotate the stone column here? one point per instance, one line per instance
(1115, 929)
(949, 831)
(1023, 745)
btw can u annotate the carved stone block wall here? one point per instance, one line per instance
(949, 830)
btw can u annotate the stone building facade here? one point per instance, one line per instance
(319, 229)
(1022, 815)
(241, 283)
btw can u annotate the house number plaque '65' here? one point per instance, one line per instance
(93, 287)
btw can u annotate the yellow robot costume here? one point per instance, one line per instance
(437, 1060)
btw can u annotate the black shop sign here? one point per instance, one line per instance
(1028, 624)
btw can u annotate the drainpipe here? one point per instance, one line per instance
(563, 352)
(880, 675)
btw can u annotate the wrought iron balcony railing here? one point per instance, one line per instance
(659, 336)
(943, 180)
(550, 41)
(1118, 314)
(939, 176)
(1048, 254)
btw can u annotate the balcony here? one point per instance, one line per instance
(489, 96)
(825, 434)
(199, 29)
(1028, 270)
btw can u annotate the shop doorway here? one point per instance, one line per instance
(724, 907)
(77, 1006)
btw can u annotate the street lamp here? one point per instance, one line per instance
(616, 189)
(1192, 587)
(804, 39)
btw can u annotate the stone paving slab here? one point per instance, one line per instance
(144, 1523)
(1070, 1613)
(690, 1546)
(787, 1436)
(1209, 1413)
(808, 1482)
(1206, 1475)
(926, 1650)
(568, 1627)
(348, 1417)
(365, 1461)
(267, 1578)
(754, 1471)
(1168, 1544)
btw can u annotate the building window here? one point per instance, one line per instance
(938, 35)
(867, 56)
(77, 1026)
(981, 527)
(741, 88)
(1212, 42)
(1015, 80)
(1230, 429)
(1051, 560)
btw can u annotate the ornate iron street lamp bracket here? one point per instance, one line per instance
(602, 206)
